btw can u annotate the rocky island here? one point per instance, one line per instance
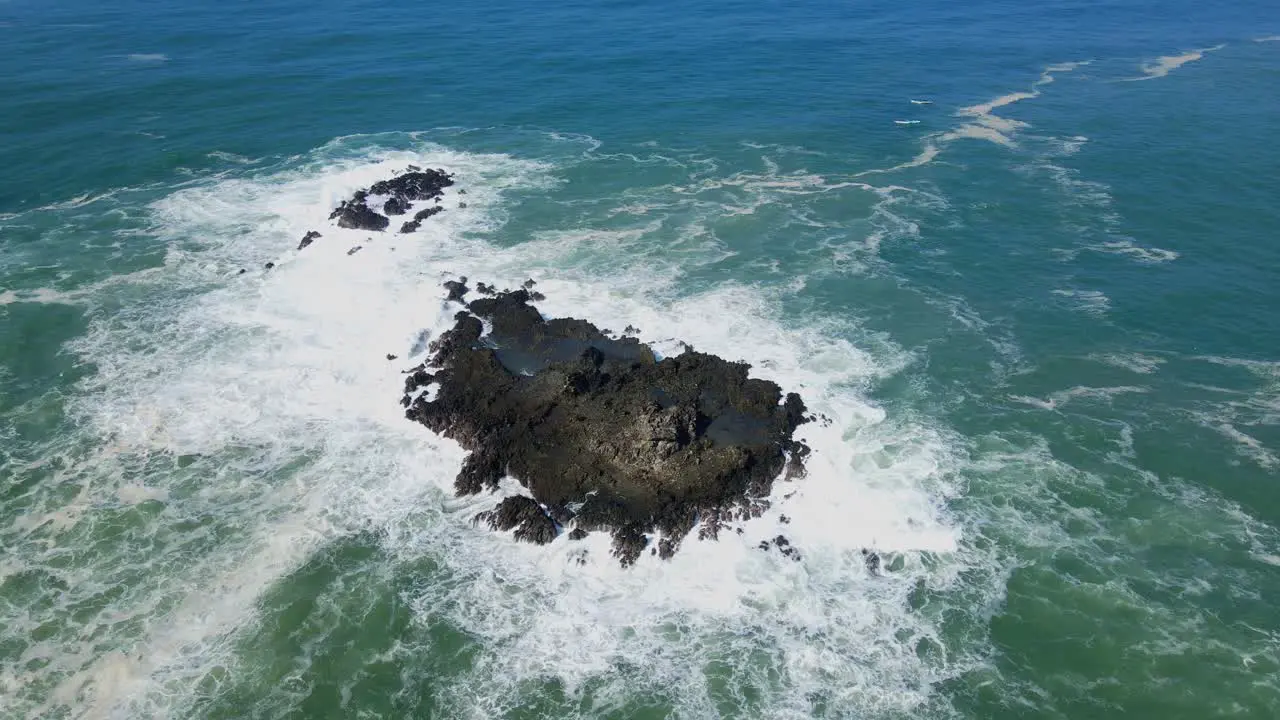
(605, 435)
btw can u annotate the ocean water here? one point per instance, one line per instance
(1024, 256)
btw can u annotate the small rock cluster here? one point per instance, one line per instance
(401, 191)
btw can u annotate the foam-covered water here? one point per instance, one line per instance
(272, 391)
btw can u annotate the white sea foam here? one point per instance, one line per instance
(279, 379)
(983, 122)
(148, 58)
(921, 102)
(1058, 399)
(1250, 445)
(79, 201)
(79, 296)
(38, 295)
(906, 122)
(1164, 65)
(232, 158)
(980, 122)
(1267, 39)
(1254, 403)
(1133, 362)
(1101, 233)
(926, 156)
(1130, 248)
(1093, 302)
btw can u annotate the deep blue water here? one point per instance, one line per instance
(1040, 303)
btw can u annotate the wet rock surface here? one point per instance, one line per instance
(309, 238)
(401, 192)
(355, 214)
(525, 516)
(397, 196)
(603, 435)
(783, 546)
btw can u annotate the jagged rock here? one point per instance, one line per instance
(578, 534)
(637, 446)
(410, 226)
(457, 290)
(428, 212)
(356, 215)
(309, 238)
(391, 357)
(269, 265)
(784, 546)
(417, 185)
(355, 250)
(525, 516)
(401, 191)
(395, 206)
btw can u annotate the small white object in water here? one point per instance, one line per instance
(921, 102)
(906, 122)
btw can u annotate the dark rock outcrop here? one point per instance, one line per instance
(428, 212)
(395, 206)
(605, 436)
(416, 185)
(357, 215)
(401, 192)
(525, 516)
(309, 238)
(457, 289)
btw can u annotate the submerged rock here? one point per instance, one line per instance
(309, 238)
(604, 436)
(456, 290)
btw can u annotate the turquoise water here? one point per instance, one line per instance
(1039, 304)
